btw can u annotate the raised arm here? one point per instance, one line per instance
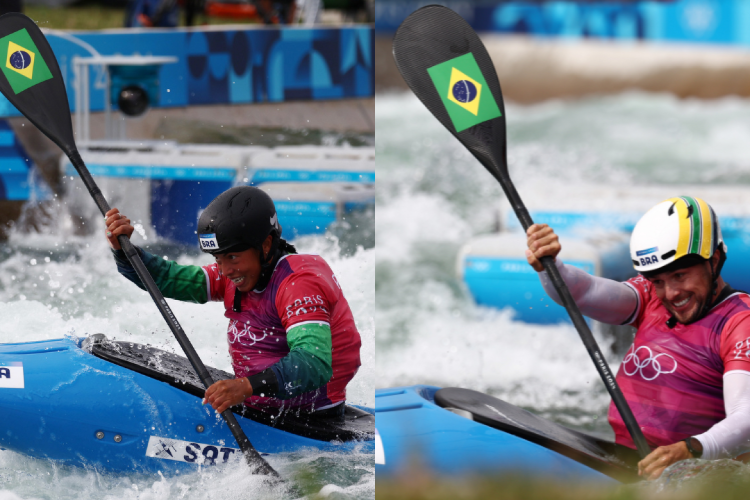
(175, 281)
(598, 298)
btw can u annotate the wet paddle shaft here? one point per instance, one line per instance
(448, 68)
(32, 82)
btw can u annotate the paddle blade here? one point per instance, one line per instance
(448, 68)
(31, 79)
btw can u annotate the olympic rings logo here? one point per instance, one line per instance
(649, 367)
(246, 332)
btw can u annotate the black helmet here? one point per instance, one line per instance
(239, 219)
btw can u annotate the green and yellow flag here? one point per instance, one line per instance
(464, 92)
(21, 62)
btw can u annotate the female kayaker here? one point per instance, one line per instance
(292, 337)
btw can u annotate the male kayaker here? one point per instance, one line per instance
(292, 337)
(687, 375)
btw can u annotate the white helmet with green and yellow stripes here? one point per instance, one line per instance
(682, 230)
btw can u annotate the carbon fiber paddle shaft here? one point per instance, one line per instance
(254, 460)
(448, 68)
(31, 80)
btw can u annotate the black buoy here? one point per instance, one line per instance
(133, 100)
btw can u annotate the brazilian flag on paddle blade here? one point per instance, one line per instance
(464, 92)
(21, 62)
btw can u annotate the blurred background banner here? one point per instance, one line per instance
(551, 49)
(704, 21)
(230, 66)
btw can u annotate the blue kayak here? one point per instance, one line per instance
(453, 431)
(125, 407)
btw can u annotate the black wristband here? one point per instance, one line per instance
(264, 383)
(122, 260)
(120, 256)
(693, 451)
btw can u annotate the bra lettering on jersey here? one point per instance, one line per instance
(242, 334)
(649, 366)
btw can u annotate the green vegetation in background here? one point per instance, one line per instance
(95, 16)
(686, 480)
(77, 17)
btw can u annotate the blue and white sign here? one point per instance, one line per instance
(209, 241)
(691, 21)
(191, 452)
(229, 65)
(641, 253)
(11, 375)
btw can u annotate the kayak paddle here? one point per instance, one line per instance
(448, 68)
(32, 82)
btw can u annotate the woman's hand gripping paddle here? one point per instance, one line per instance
(448, 68)
(32, 82)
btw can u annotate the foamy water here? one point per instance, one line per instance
(54, 285)
(433, 195)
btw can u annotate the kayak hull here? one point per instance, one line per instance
(65, 404)
(414, 433)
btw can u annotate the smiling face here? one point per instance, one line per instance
(685, 292)
(243, 268)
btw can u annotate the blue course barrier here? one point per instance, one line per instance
(230, 66)
(701, 21)
(19, 178)
(501, 279)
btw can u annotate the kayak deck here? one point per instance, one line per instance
(461, 432)
(609, 458)
(175, 370)
(60, 402)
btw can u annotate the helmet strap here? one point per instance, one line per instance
(270, 258)
(711, 292)
(722, 260)
(267, 262)
(715, 273)
(237, 306)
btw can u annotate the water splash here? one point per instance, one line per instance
(54, 283)
(433, 196)
(688, 476)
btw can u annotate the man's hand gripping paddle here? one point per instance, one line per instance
(32, 82)
(448, 68)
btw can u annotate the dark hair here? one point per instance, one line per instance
(285, 247)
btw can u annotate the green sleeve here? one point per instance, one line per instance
(187, 283)
(307, 367)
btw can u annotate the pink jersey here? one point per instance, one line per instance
(672, 377)
(302, 289)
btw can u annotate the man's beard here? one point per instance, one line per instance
(697, 312)
(703, 303)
